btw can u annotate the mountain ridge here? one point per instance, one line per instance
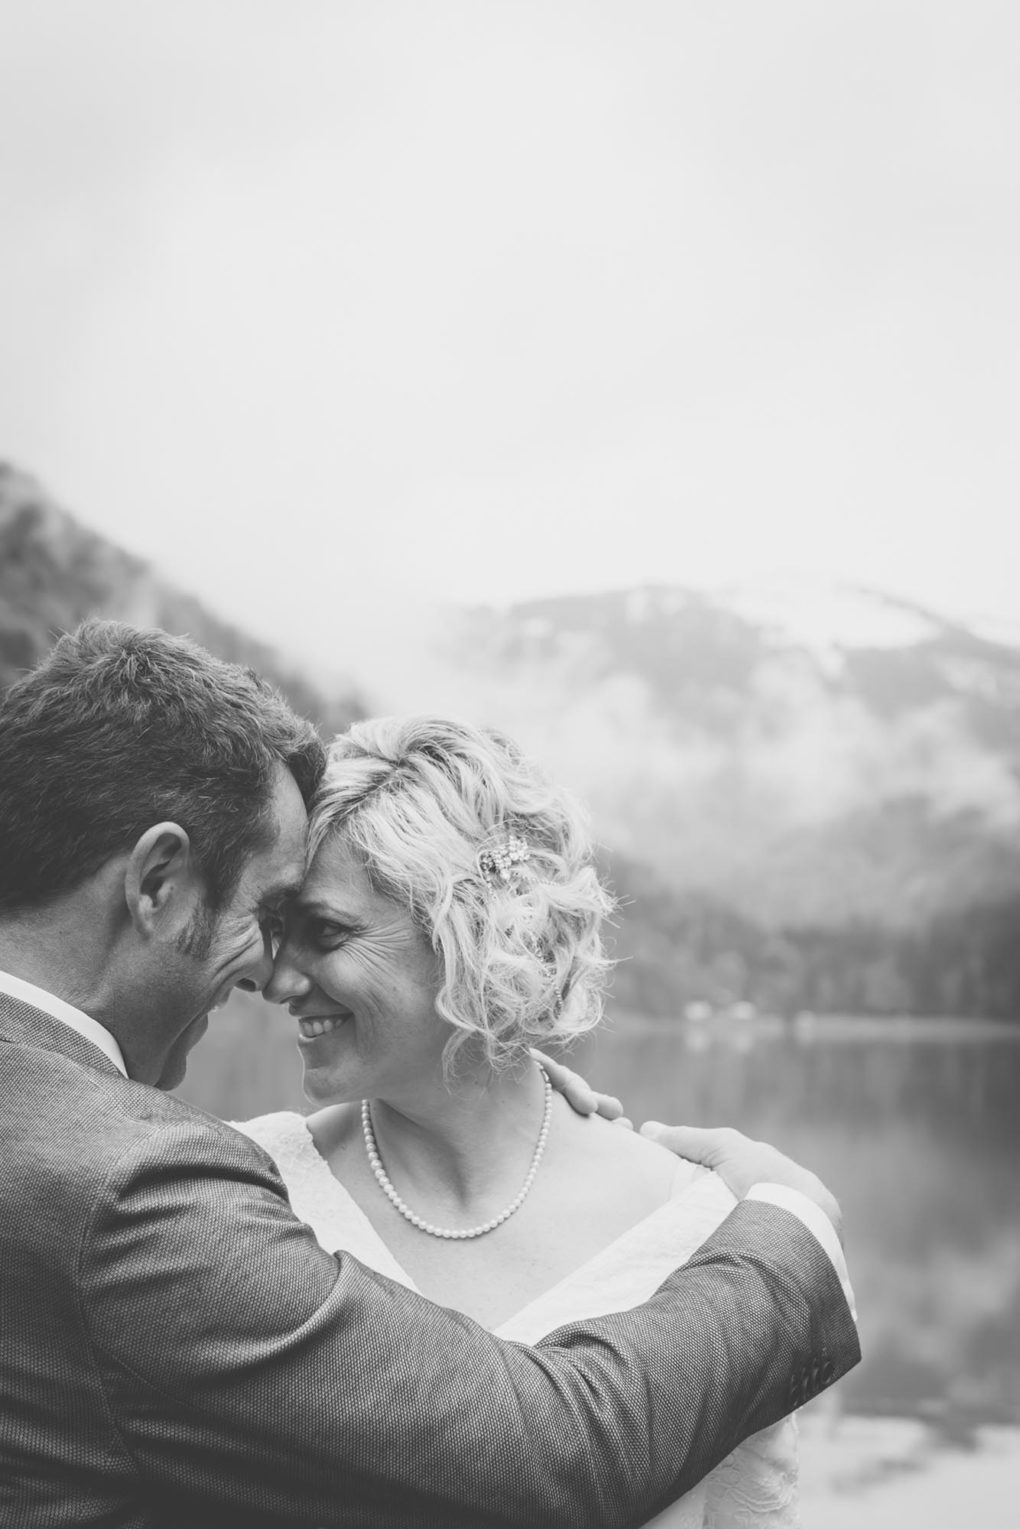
(792, 819)
(54, 572)
(819, 782)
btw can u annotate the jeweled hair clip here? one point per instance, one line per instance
(498, 864)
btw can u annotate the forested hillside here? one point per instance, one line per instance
(679, 948)
(54, 572)
(810, 800)
(798, 822)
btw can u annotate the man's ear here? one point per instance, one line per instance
(162, 884)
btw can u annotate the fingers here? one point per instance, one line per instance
(610, 1108)
(742, 1162)
(574, 1089)
(693, 1142)
(580, 1095)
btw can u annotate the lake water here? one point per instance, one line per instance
(916, 1129)
(915, 1126)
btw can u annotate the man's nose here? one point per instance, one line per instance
(260, 971)
(286, 982)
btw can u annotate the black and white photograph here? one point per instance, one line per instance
(509, 764)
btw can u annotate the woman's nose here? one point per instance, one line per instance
(287, 981)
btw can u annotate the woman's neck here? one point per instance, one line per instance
(464, 1143)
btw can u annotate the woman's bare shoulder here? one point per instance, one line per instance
(335, 1129)
(594, 1147)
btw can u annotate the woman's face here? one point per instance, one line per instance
(361, 979)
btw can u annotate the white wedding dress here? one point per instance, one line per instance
(754, 1486)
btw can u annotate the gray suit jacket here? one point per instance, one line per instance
(177, 1350)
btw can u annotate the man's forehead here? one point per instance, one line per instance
(288, 886)
(273, 878)
(279, 869)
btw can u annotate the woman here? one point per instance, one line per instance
(450, 920)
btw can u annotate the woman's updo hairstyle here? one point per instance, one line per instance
(493, 861)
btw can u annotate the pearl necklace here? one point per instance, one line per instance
(375, 1162)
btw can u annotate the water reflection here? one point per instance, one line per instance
(915, 1126)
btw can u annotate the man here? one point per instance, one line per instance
(176, 1348)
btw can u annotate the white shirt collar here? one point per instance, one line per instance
(56, 1008)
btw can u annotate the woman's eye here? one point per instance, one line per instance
(325, 933)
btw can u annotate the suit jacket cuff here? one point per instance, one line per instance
(817, 1223)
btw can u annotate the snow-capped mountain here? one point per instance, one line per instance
(810, 755)
(808, 797)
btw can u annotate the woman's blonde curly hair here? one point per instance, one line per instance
(420, 799)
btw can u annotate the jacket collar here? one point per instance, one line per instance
(23, 1024)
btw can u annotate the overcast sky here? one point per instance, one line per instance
(324, 304)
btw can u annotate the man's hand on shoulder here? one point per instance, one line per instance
(741, 1163)
(581, 1097)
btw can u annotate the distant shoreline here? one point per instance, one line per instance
(833, 1027)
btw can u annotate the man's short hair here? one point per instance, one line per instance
(118, 729)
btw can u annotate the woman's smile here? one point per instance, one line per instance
(312, 1026)
(360, 977)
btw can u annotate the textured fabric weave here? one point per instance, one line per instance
(176, 1348)
(756, 1487)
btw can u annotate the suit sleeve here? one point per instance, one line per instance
(255, 1379)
